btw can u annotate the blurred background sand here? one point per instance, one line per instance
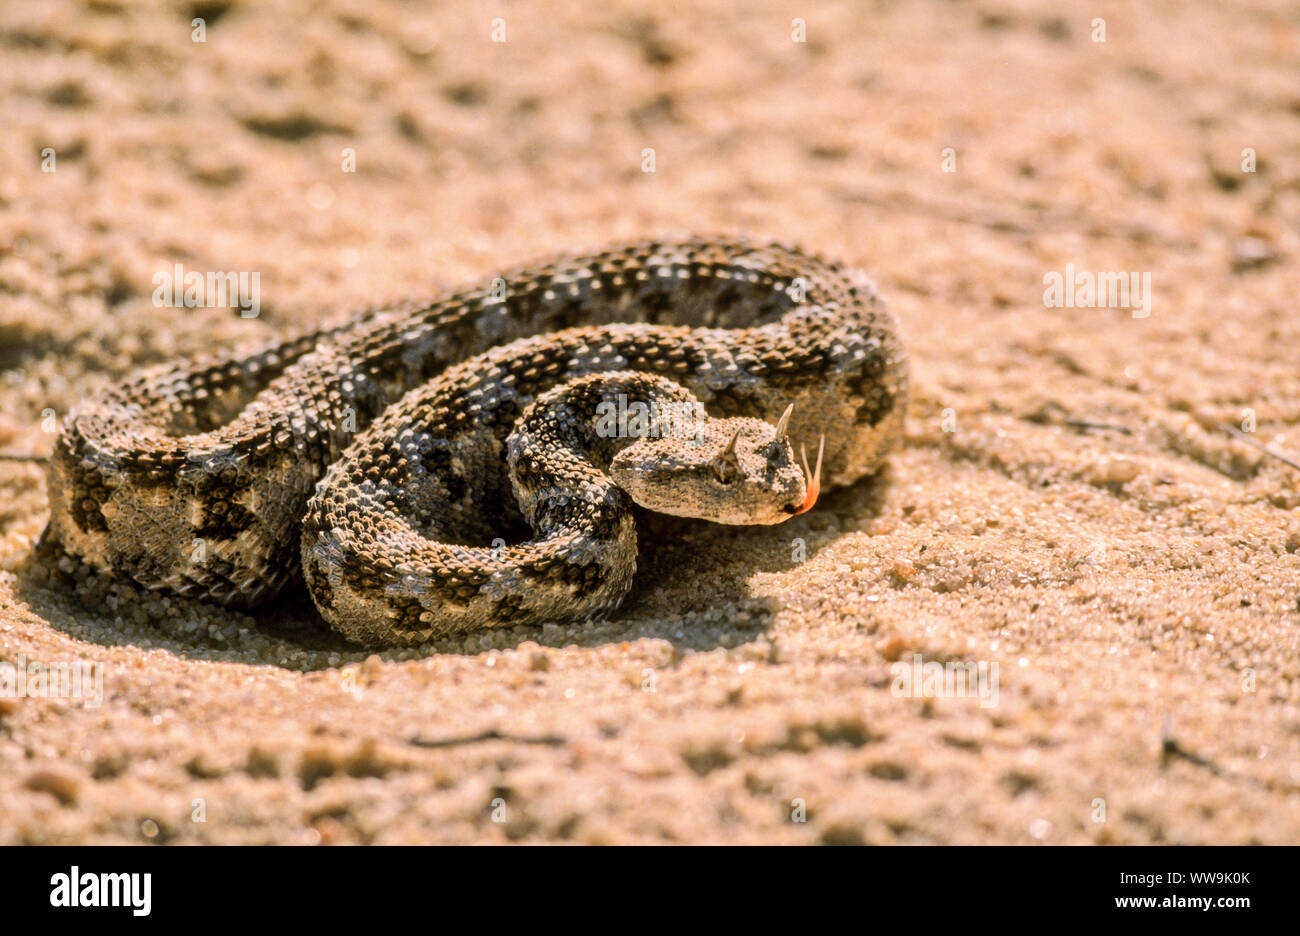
(1135, 580)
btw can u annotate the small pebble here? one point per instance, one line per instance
(62, 786)
(1113, 471)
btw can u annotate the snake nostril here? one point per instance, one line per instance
(792, 508)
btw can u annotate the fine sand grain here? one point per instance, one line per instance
(1069, 504)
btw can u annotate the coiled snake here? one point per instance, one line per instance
(472, 461)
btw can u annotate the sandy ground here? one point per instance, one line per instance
(1068, 505)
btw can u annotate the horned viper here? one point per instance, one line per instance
(472, 461)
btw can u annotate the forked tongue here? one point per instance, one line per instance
(813, 478)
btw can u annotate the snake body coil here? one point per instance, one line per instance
(434, 468)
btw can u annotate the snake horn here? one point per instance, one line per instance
(730, 450)
(783, 424)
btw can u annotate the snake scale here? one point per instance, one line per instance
(473, 461)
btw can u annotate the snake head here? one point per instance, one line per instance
(734, 471)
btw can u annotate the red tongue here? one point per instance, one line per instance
(814, 478)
